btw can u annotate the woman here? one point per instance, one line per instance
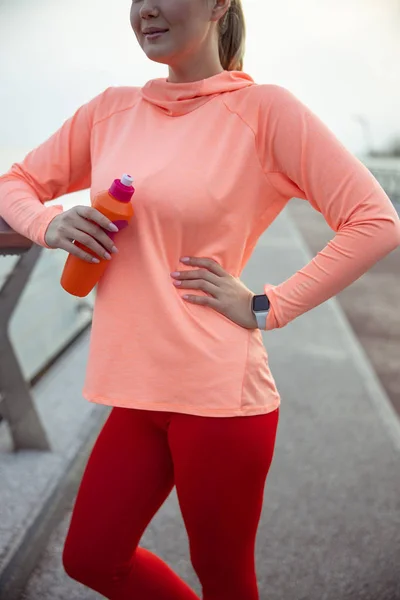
(215, 158)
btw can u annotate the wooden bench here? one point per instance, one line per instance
(16, 404)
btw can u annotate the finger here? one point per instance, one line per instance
(199, 274)
(199, 284)
(209, 263)
(76, 251)
(89, 242)
(203, 300)
(90, 213)
(97, 233)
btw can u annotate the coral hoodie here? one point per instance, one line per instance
(214, 162)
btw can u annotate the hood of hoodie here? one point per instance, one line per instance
(176, 99)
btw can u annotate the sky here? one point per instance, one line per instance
(340, 57)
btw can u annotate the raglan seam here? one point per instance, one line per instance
(265, 173)
(234, 112)
(115, 112)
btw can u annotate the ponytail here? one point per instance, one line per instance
(232, 30)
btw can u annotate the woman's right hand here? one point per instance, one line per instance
(85, 225)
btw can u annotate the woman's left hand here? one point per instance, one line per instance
(227, 294)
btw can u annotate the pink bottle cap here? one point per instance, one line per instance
(122, 189)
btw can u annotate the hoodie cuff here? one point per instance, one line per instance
(272, 319)
(39, 226)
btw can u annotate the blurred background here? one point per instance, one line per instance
(340, 57)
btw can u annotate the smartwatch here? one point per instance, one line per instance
(260, 306)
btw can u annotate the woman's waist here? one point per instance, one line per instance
(161, 308)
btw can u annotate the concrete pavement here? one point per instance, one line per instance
(330, 528)
(370, 304)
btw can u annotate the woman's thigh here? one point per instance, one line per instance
(220, 466)
(128, 476)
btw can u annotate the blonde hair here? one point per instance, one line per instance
(232, 34)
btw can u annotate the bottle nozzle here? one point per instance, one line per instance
(126, 180)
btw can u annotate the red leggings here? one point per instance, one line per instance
(219, 466)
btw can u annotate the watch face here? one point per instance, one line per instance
(260, 302)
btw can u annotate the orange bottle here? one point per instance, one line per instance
(79, 276)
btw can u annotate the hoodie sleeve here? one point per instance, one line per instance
(302, 158)
(60, 165)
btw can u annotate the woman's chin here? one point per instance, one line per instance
(156, 55)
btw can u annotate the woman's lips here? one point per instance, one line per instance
(154, 35)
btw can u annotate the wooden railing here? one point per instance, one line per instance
(16, 404)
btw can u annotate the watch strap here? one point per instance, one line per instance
(261, 317)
